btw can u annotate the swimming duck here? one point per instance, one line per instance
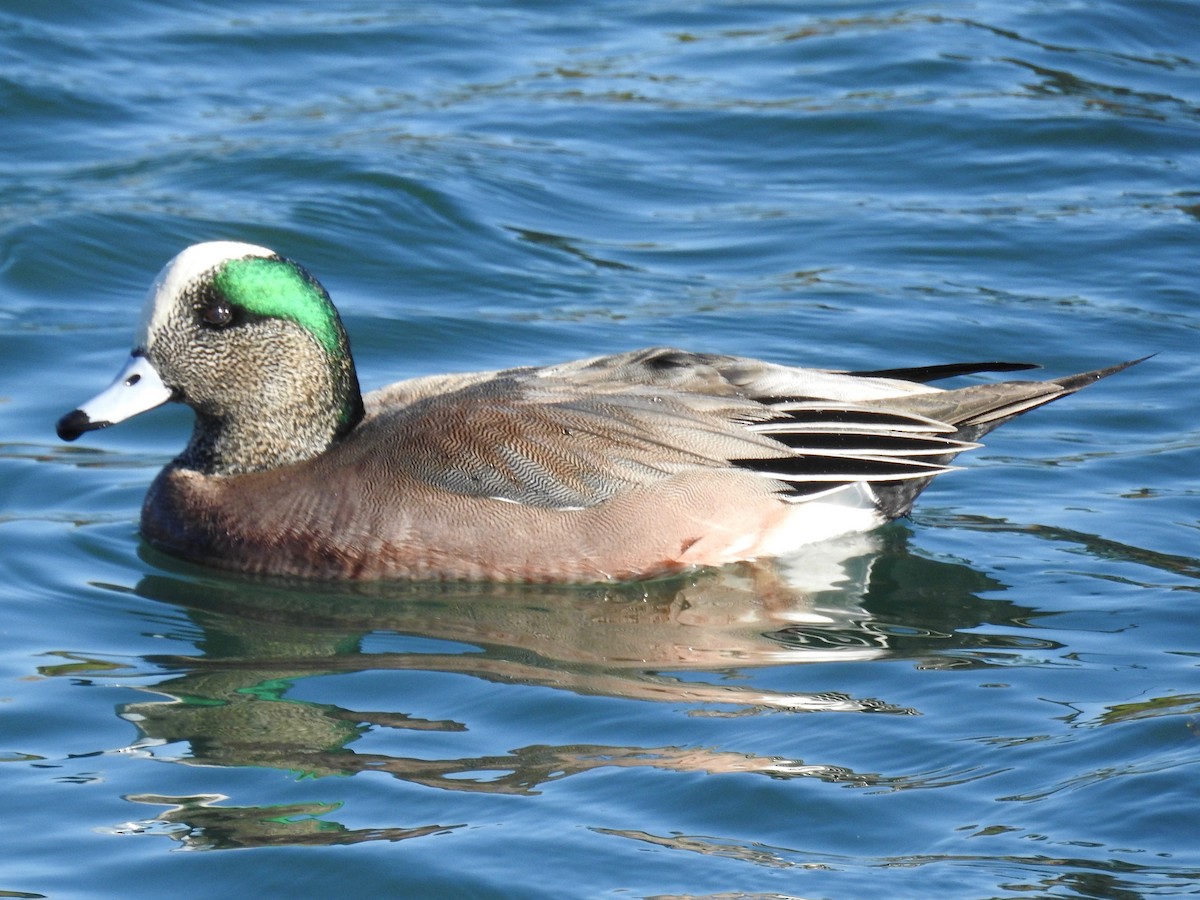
(611, 468)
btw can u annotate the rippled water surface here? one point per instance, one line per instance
(998, 698)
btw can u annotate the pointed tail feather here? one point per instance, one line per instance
(986, 406)
(976, 410)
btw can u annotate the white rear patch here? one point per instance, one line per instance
(847, 510)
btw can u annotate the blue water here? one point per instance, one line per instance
(999, 698)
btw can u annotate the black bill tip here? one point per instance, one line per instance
(75, 423)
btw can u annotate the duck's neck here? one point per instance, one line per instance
(267, 433)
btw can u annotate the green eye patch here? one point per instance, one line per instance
(277, 287)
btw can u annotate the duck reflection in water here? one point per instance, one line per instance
(865, 599)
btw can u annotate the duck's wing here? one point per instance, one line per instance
(546, 443)
(576, 435)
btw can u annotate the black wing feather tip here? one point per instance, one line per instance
(925, 374)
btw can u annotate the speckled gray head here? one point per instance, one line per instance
(251, 341)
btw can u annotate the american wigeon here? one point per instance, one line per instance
(615, 467)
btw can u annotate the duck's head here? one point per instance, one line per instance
(253, 344)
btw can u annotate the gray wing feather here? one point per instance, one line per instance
(577, 434)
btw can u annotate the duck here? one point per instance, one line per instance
(619, 467)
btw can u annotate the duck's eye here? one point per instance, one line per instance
(218, 314)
